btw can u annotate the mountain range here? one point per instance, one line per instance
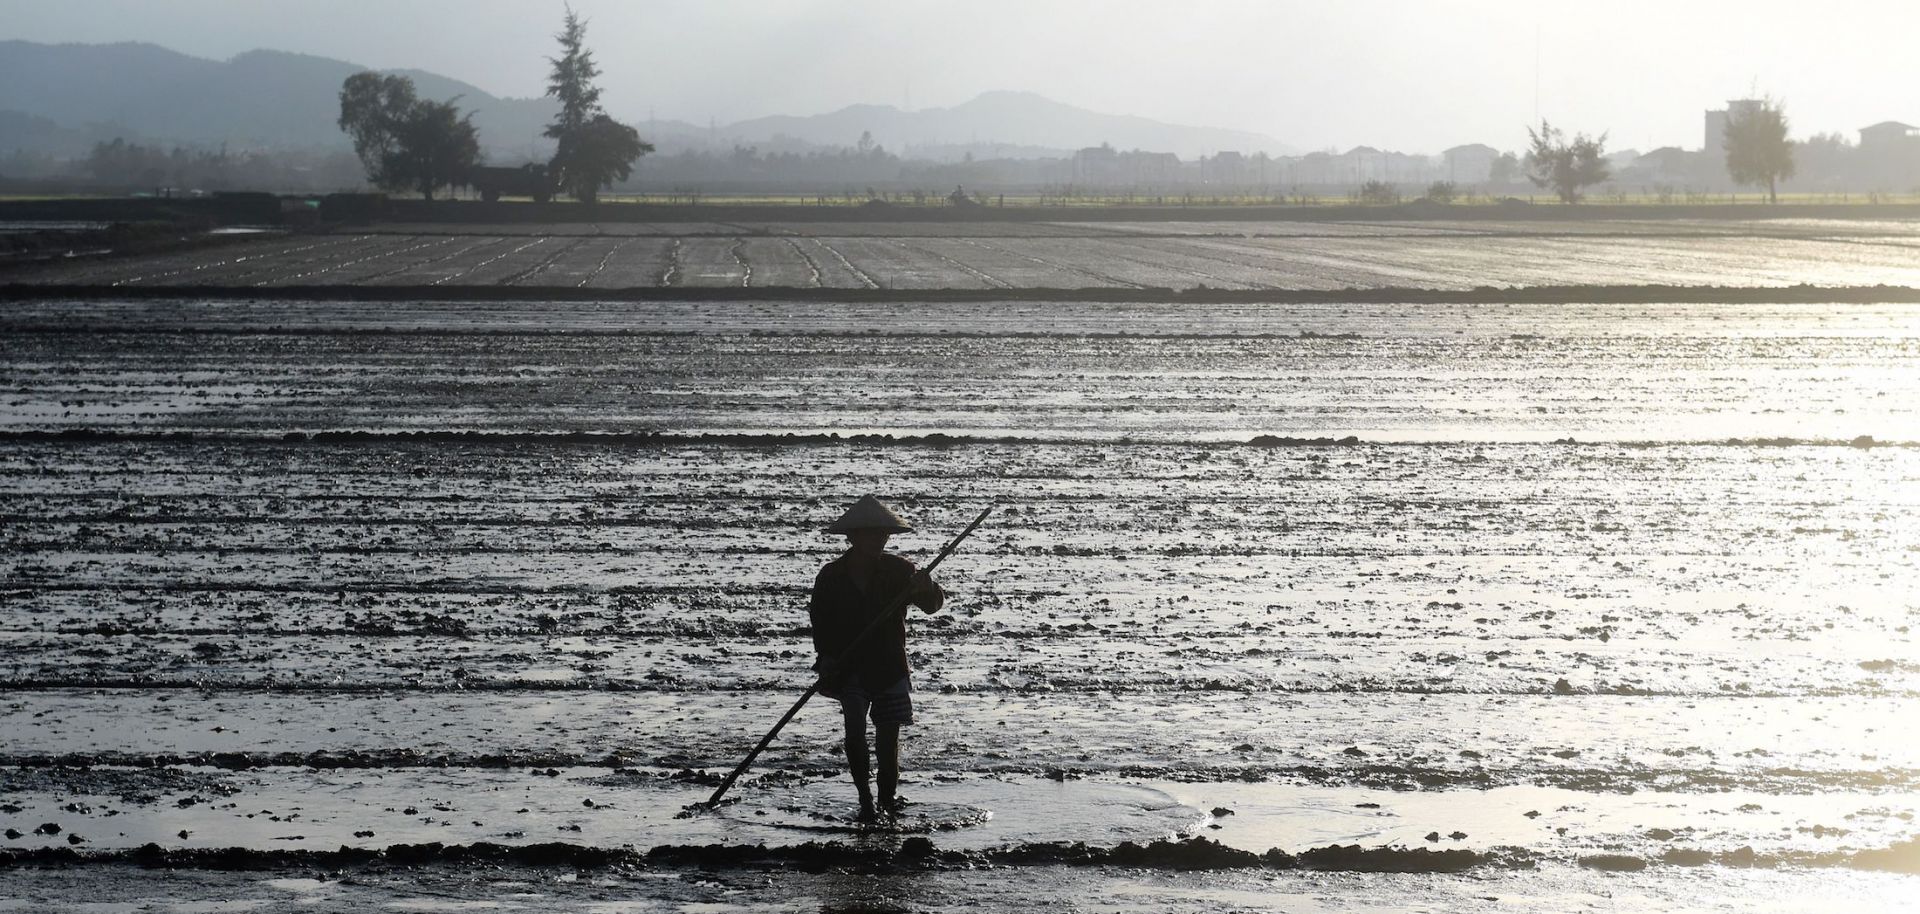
(1004, 119)
(60, 98)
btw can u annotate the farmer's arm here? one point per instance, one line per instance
(821, 617)
(926, 594)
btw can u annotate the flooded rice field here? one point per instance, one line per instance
(1284, 607)
(1033, 371)
(1040, 255)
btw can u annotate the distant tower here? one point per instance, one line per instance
(1715, 145)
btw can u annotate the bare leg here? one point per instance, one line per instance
(856, 727)
(886, 742)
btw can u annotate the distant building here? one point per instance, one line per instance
(1315, 169)
(1227, 167)
(1715, 146)
(1152, 169)
(1670, 166)
(1670, 162)
(1470, 164)
(1887, 135)
(1104, 166)
(1096, 165)
(1363, 164)
(1889, 155)
(1341, 171)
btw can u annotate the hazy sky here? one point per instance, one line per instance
(1413, 75)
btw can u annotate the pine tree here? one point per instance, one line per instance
(593, 150)
(572, 79)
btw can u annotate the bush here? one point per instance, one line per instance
(1379, 192)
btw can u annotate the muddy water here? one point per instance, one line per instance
(1685, 637)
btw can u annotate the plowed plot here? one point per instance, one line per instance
(636, 262)
(399, 256)
(1007, 262)
(1455, 255)
(259, 267)
(1046, 370)
(896, 263)
(1252, 228)
(778, 262)
(568, 263)
(896, 229)
(562, 229)
(245, 610)
(470, 262)
(709, 262)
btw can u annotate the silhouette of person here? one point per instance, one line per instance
(869, 675)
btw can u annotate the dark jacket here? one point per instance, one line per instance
(841, 611)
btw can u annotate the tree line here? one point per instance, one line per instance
(121, 164)
(407, 143)
(1758, 153)
(412, 144)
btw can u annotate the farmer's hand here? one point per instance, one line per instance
(924, 593)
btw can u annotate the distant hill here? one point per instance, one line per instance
(1013, 118)
(33, 134)
(279, 99)
(260, 98)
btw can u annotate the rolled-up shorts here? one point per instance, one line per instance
(891, 705)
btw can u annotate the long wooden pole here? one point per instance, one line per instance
(899, 605)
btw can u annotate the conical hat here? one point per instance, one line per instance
(869, 514)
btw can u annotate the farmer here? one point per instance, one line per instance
(871, 681)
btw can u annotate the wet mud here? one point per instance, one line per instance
(915, 853)
(670, 291)
(1189, 854)
(520, 889)
(1216, 261)
(1278, 594)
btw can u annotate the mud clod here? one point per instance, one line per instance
(1680, 856)
(1900, 858)
(1354, 858)
(1614, 863)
